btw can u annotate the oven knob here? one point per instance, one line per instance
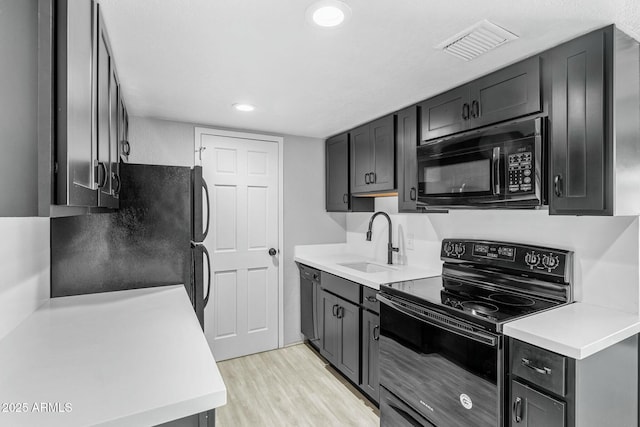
(448, 248)
(532, 259)
(459, 249)
(550, 262)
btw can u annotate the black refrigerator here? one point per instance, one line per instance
(153, 239)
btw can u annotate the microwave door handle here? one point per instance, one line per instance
(496, 170)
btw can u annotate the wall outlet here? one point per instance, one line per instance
(410, 241)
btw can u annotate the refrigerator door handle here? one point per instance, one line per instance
(206, 254)
(192, 287)
(206, 193)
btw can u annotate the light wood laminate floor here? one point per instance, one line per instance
(292, 386)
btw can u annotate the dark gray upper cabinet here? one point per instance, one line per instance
(361, 159)
(407, 139)
(594, 158)
(337, 173)
(445, 114)
(107, 93)
(90, 112)
(123, 130)
(76, 144)
(508, 93)
(511, 92)
(579, 174)
(373, 156)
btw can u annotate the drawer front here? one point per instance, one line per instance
(369, 300)
(309, 273)
(539, 366)
(342, 287)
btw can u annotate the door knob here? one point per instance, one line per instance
(272, 252)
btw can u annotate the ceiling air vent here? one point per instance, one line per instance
(476, 40)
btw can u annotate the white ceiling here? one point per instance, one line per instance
(189, 60)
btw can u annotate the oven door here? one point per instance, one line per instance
(461, 178)
(446, 370)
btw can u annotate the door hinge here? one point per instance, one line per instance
(199, 151)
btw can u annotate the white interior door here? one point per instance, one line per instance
(242, 316)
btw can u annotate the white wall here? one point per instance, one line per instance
(24, 269)
(165, 142)
(607, 255)
(161, 142)
(305, 219)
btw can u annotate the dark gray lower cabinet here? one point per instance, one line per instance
(370, 382)
(340, 334)
(533, 409)
(205, 419)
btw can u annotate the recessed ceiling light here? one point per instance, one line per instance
(328, 13)
(244, 107)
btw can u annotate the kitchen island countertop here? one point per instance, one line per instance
(575, 330)
(330, 258)
(135, 357)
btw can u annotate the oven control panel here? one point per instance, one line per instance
(486, 250)
(520, 172)
(524, 258)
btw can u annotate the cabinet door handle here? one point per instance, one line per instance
(371, 299)
(465, 111)
(373, 177)
(475, 109)
(126, 148)
(116, 178)
(340, 312)
(517, 410)
(557, 185)
(412, 193)
(345, 198)
(102, 175)
(376, 333)
(335, 310)
(527, 364)
(366, 178)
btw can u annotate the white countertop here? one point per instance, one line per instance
(576, 330)
(331, 263)
(136, 357)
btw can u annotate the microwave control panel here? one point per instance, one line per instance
(520, 172)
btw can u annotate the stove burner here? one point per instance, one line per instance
(479, 307)
(513, 300)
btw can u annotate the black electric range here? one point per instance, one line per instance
(491, 283)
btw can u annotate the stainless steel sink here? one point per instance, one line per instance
(367, 267)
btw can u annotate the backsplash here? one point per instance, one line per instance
(607, 255)
(24, 269)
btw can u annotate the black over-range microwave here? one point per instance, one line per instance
(498, 167)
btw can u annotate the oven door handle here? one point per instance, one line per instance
(428, 316)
